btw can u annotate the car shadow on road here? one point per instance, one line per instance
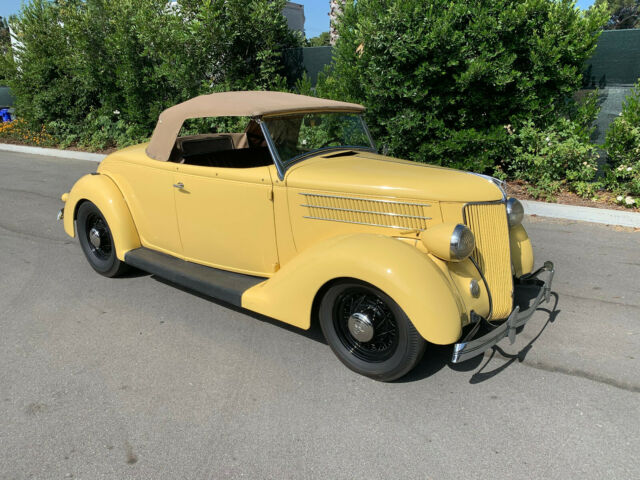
(133, 272)
(482, 376)
(438, 357)
(313, 333)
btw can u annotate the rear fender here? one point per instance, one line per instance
(409, 276)
(104, 193)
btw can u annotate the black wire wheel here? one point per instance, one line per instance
(368, 331)
(97, 242)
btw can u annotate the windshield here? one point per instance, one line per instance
(296, 136)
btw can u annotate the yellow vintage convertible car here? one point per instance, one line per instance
(298, 218)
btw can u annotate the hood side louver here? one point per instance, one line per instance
(364, 211)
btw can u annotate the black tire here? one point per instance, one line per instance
(395, 346)
(101, 257)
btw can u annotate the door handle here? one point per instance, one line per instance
(179, 185)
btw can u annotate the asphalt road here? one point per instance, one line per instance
(133, 378)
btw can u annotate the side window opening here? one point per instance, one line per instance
(201, 143)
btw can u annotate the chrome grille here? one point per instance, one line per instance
(365, 211)
(488, 222)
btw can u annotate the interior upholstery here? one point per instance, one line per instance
(199, 144)
(221, 150)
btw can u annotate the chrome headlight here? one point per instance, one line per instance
(462, 242)
(515, 212)
(449, 242)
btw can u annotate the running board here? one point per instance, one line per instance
(212, 282)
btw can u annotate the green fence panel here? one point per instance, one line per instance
(616, 61)
(613, 69)
(6, 100)
(311, 60)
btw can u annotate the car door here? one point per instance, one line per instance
(226, 219)
(147, 186)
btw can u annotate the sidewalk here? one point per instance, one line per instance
(52, 152)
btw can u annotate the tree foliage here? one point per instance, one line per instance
(443, 79)
(114, 65)
(623, 147)
(623, 14)
(322, 40)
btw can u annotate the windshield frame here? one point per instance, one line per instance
(282, 166)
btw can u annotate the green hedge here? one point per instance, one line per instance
(623, 149)
(470, 84)
(99, 72)
(484, 86)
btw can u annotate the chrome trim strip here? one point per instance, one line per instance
(495, 181)
(395, 202)
(387, 214)
(272, 148)
(398, 227)
(366, 130)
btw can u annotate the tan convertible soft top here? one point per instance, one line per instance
(234, 104)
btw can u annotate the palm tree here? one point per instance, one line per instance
(335, 11)
(5, 39)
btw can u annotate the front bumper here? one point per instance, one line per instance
(472, 348)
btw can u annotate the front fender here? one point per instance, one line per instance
(521, 251)
(400, 270)
(104, 193)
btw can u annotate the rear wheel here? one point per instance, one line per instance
(369, 332)
(96, 241)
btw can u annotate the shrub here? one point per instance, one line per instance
(98, 132)
(441, 78)
(554, 158)
(82, 60)
(623, 149)
(559, 156)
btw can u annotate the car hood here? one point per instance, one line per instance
(378, 175)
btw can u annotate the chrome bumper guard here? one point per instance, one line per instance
(468, 349)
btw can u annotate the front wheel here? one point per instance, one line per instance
(369, 332)
(96, 241)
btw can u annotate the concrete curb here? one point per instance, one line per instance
(542, 209)
(53, 152)
(582, 214)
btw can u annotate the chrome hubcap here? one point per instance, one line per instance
(361, 327)
(94, 237)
